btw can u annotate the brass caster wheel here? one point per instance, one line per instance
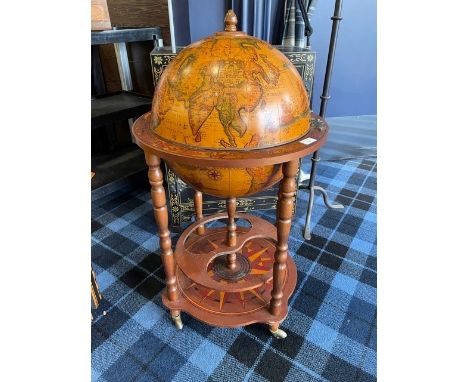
(177, 322)
(279, 334)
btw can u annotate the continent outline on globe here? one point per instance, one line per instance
(230, 93)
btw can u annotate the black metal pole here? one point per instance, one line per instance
(336, 18)
(331, 57)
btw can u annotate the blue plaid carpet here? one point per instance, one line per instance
(332, 319)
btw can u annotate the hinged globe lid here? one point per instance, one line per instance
(230, 91)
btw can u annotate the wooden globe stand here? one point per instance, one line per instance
(233, 275)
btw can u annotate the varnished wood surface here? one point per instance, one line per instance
(229, 102)
(148, 141)
(96, 296)
(237, 320)
(194, 264)
(283, 225)
(231, 226)
(158, 196)
(100, 19)
(231, 237)
(198, 202)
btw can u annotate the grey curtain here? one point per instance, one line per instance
(294, 28)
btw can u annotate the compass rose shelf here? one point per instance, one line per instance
(222, 272)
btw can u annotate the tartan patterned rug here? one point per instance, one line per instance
(331, 324)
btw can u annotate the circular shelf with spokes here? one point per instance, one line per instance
(196, 255)
(209, 287)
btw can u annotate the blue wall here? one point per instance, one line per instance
(206, 17)
(353, 87)
(180, 9)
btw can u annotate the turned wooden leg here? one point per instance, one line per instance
(198, 200)
(158, 195)
(231, 238)
(283, 226)
(96, 296)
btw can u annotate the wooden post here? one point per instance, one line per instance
(198, 201)
(158, 195)
(283, 226)
(231, 238)
(96, 296)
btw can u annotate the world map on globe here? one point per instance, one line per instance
(230, 92)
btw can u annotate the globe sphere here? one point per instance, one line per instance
(230, 91)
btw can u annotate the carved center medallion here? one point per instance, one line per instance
(241, 270)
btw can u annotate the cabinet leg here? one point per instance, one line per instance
(231, 237)
(283, 226)
(198, 201)
(158, 196)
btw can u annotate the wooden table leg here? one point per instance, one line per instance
(96, 296)
(158, 195)
(231, 237)
(283, 226)
(198, 201)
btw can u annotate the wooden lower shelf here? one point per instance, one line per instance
(204, 310)
(231, 295)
